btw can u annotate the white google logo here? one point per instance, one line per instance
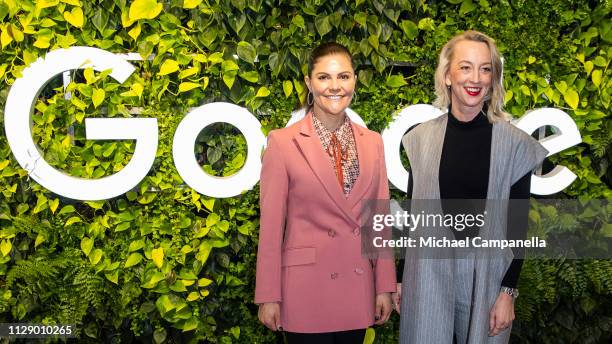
(25, 91)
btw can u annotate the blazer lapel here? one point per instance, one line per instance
(367, 158)
(310, 145)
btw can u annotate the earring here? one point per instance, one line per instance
(309, 100)
(354, 97)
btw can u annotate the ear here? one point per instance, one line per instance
(307, 82)
(447, 79)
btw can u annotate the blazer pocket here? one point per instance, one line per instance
(299, 256)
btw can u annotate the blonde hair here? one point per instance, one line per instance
(495, 98)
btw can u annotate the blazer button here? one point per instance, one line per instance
(331, 233)
(356, 231)
(358, 271)
(334, 275)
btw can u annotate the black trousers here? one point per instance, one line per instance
(342, 337)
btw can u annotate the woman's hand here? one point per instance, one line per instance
(383, 308)
(501, 315)
(397, 298)
(269, 315)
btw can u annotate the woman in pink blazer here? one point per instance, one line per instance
(312, 280)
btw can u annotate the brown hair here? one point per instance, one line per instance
(495, 98)
(325, 49)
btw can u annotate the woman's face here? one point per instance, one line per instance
(332, 83)
(469, 76)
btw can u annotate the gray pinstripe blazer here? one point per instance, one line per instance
(427, 313)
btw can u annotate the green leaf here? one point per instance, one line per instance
(410, 29)
(596, 77)
(571, 98)
(157, 255)
(97, 97)
(169, 66)
(75, 17)
(191, 3)
(113, 276)
(262, 92)
(66, 210)
(187, 86)
(133, 259)
(322, 25)
(251, 76)
(159, 336)
(144, 9)
(246, 52)
(208, 203)
(373, 40)
(95, 256)
(40, 238)
(5, 247)
(53, 205)
(599, 61)
(287, 88)
(298, 21)
(86, 245)
(212, 219)
(136, 245)
(588, 67)
(370, 335)
(72, 220)
(396, 81)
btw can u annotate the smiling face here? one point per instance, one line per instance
(469, 76)
(332, 83)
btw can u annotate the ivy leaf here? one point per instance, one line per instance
(596, 77)
(97, 96)
(113, 276)
(275, 63)
(191, 3)
(251, 76)
(75, 17)
(396, 81)
(212, 219)
(66, 210)
(287, 88)
(133, 259)
(262, 92)
(144, 9)
(53, 204)
(588, 67)
(169, 66)
(194, 295)
(157, 255)
(86, 245)
(40, 238)
(410, 29)
(361, 18)
(135, 32)
(373, 40)
(5, 247)
(571, 98)
(159, 336)
(187, 86)
(369, 336)
(95, 256)
(246, 52)
(322, 25)
(298, 21)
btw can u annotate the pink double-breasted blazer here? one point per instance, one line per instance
(309, 256)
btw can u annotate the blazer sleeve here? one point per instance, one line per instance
(274, 184)
(384, 267)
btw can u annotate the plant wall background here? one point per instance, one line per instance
(163, 263)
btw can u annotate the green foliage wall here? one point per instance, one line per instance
(163, 263)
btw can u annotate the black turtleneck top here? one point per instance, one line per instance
(464, 174)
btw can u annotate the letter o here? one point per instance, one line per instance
(187, 165)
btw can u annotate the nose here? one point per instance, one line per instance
(334, 86)
(475, 77)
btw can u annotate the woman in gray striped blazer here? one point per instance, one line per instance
(471, 152)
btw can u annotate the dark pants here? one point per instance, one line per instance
(342, 337)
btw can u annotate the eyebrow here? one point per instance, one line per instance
(466, 61)
(344, 72)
